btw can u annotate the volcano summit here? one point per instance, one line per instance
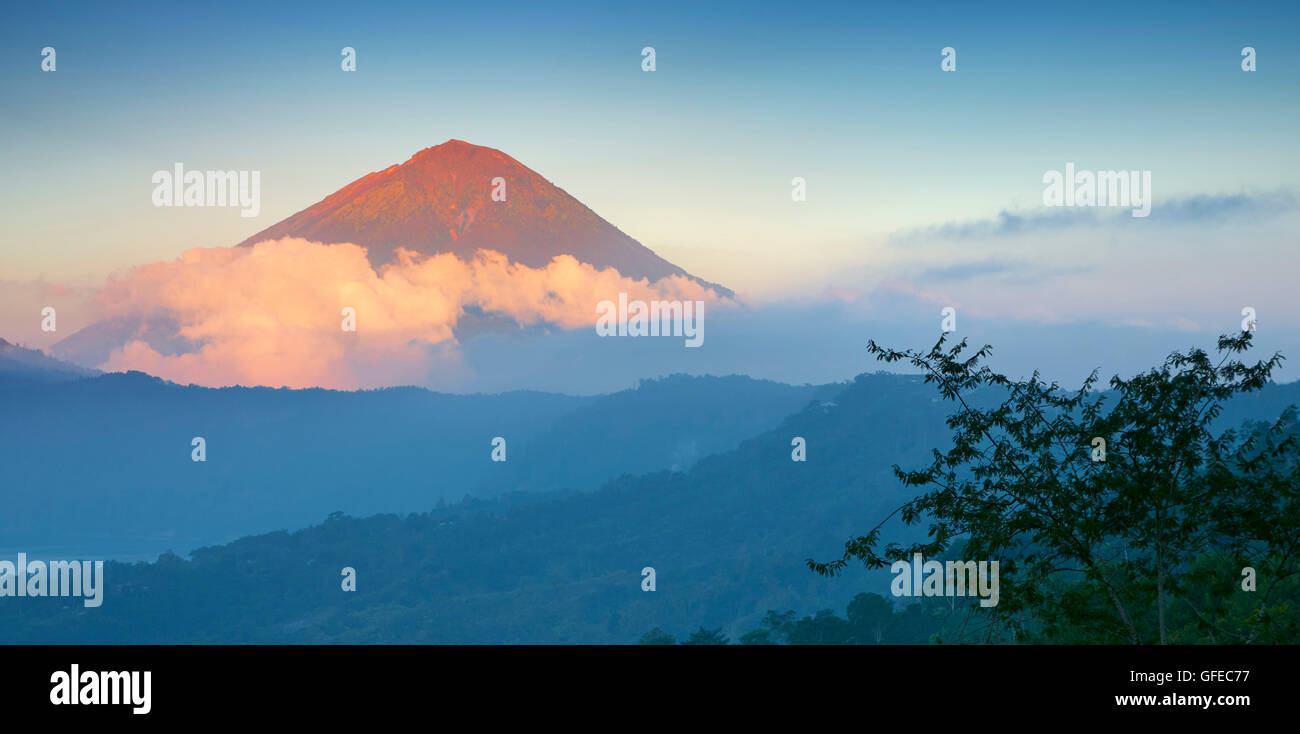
(440, 200)
(268, 315)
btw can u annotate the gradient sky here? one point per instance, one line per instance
(694, 160)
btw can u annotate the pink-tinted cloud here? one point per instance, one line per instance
(272, 314)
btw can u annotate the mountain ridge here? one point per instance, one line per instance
(297, 454)
(18, 361)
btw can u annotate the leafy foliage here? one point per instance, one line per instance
(871, 620)
(1115, 551)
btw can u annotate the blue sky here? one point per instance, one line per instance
(910, 170)
(695, 157)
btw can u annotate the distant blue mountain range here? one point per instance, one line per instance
(103, 465)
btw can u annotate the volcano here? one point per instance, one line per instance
(441, 200)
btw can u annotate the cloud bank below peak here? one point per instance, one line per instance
(273, 314)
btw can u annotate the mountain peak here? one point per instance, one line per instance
(440, 200)
(454, 150)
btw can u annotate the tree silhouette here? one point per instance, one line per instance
(657, 636)
(1112, 548)
(704, 636)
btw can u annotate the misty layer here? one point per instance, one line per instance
(276, 313)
